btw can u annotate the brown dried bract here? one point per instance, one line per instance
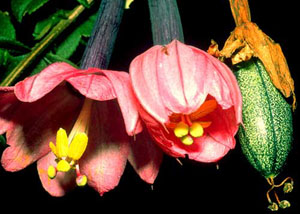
(247, 40)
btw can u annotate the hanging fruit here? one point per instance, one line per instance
(261, 68)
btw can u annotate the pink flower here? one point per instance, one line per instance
(189, 101)
(40, 108)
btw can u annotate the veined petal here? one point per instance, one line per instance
(35, 87)
(126, 99)
(61, 143)
(106, 155)
(33, 128)
(223, 127)
(145, 157)
(208, 150)
(143, 76)
(92, 84)
(78, 146)
(180, 74)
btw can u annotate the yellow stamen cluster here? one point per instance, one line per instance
(67, 154)
(186, 132)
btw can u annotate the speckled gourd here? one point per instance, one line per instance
(266, 134)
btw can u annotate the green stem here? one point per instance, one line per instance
(165, 21)
(41, 46)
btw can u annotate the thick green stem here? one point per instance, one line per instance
(41, 46)
(165, 21)
(101, 43)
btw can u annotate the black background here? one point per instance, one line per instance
(194, 187)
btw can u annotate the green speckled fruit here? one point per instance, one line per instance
(266, 134)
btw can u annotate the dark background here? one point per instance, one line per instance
(194, 187)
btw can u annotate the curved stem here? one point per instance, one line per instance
(101, 43)
(240, 11)
(165, 21)
(41, 46)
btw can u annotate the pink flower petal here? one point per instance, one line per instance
(180, 78)
(37, 86)
(126, 99)
(93, 84)
(145, 157)
(35, 125)
(208, 150)
(8, 104)
(222, 84)
(145, 84)
(62, 183)
(223, 127)
(105, 159)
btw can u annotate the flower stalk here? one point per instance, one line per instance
(100, 45)
(165, 21)
(41, 46)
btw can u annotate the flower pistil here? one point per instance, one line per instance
(186, 127)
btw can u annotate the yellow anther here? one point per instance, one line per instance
(127, 3)
(181, 129)
(51, 172)
(196, 130)
(61, 143)
(77, 146)
(63, 166)
(53, 148)
(81, 180)
(187, 140)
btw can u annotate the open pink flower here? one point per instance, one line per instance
(62, 97)
(189, 101)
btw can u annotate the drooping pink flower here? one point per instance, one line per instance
(62, 97)
(189, 101)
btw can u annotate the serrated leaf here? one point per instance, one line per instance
(43, 27)
(84, 3)
(7, 28)
(67, 47)
(13, 46)
(21, 7)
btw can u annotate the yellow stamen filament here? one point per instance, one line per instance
(68, 150)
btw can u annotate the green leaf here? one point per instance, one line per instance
(43, 27)
(47, 60)
(4, 57)
(67, 47)
(21, 7)
(7, 28)
(2, 140)
(13, 46)
(84, 3)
